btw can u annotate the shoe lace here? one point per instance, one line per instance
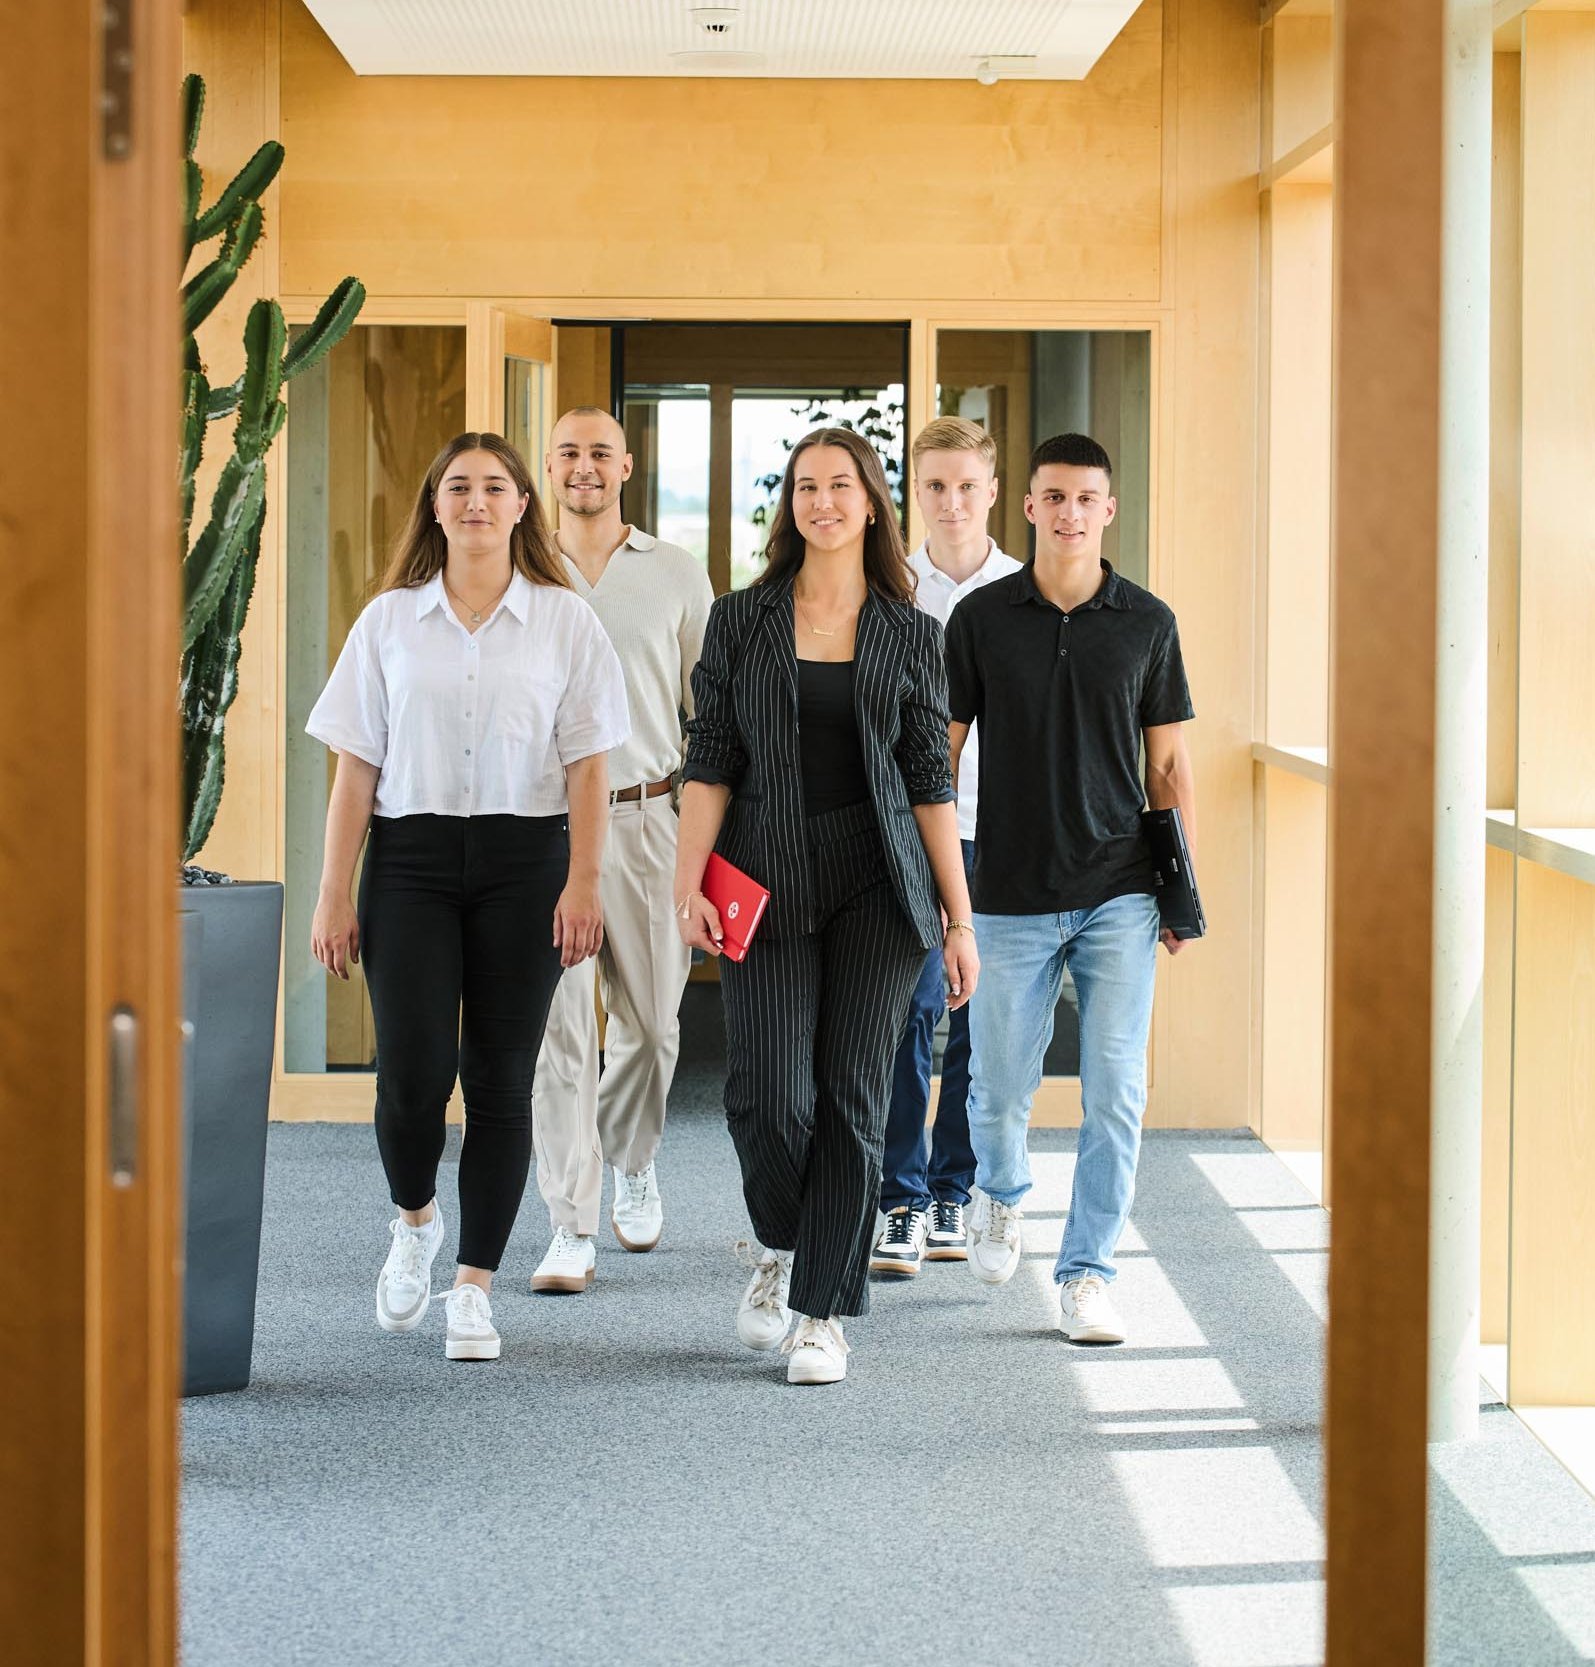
(565, 1243)
(814, 1333)
(771, 1271)
(947, 1218)
(1086, 1291)
(1003, 1221)
(410, 1251)
(899, 1224)
(468, 1305)
(639, 1190)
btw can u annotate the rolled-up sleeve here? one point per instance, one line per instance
(715, 752)
(922, 751)
(352, 713)
(593, 715)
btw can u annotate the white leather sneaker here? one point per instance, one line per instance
(762, 1314)
(1086, 1313)
(569, 1266)
(637, 1214)
(901, 1247)
(404, 1287)
(470, 1335)
(993, 1239)
(817, 1352)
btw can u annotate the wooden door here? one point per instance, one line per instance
(89, 251)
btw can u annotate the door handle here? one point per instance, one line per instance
(123, 1083)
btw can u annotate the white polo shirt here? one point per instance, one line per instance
(938, 595)
(474, 725)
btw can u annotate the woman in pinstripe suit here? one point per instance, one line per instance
(817, 762)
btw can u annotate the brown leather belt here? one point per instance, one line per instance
(643, 790)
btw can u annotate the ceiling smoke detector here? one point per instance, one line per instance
(716, 21)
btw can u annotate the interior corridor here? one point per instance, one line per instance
(629, 1484)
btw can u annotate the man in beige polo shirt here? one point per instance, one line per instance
(653, 600)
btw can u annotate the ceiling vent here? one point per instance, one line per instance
(715, 21)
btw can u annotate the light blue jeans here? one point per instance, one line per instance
(1111, 954)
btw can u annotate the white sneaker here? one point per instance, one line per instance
(568, 1267)
(818, 1352)
(404, 1287)
(471, 1335)
(762, 1314)
(1086, 1313)
(993, 1239)
(637, 1214)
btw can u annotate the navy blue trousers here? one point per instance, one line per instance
(908, 1175)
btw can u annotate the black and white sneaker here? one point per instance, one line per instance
(900, 1249)
(945, 1240)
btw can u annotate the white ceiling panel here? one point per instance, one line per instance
(1052, 40)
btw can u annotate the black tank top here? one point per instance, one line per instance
(833, 760)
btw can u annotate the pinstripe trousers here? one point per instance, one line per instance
(812, 1022)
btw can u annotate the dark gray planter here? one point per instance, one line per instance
(235, 1033)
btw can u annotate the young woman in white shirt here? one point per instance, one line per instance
(471, 710)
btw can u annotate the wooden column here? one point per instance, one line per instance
(721, 398)
(89, 215)
(1388, 189)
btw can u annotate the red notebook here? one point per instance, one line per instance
(741, 903)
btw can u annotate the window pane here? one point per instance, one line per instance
(363, 426)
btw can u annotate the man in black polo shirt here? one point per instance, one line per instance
(1070, 670)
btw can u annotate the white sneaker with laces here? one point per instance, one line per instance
(404, 1287)
(994, 1244)
(1086, 1313)
(762, 1314)
(637, 1214)
(817, 1352)
(470, 1315)
(568, 1268)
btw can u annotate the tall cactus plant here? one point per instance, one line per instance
(219, 562)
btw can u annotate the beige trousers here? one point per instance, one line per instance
(579, 1121)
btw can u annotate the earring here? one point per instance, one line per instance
(872, 520)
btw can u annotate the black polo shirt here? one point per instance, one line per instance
(1062, 699)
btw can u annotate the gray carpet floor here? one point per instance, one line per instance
(629, 1485)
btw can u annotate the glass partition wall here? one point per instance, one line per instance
(364, 425)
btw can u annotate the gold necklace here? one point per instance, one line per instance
(476, 613)
(808, 619)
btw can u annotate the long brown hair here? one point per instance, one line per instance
(886, 569)
(422, 548)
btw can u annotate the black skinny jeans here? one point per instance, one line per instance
(456, 932)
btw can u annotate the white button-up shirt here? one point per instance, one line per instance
(939, 595)
(474, 725)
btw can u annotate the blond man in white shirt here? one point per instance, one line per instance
(955, 485)
(653, 600)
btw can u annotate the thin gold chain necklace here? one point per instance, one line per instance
(476, 613)
(808, 618)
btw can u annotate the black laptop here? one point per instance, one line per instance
(1178, 901)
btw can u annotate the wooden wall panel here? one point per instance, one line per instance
(1496, 1167)
(717, 187)
(1303, 86)
(1295, 900)
(1297, 644)
(234, 45)
(1206, 463)
(1551, 1361)
(1556, 758)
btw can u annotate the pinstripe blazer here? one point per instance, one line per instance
(744, 735)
